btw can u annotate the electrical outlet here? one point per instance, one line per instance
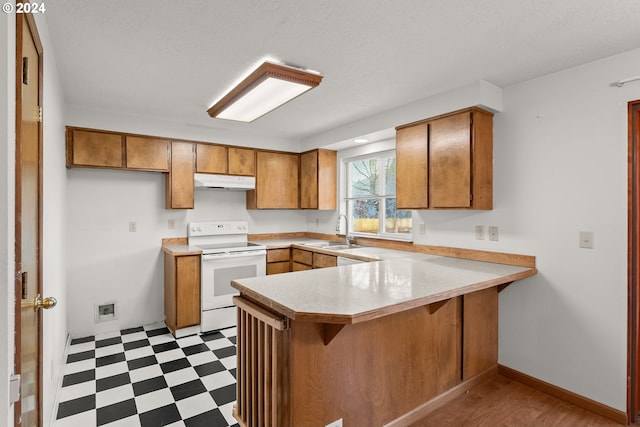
(493, 234)
(336, 423)
(422, 228)
(317, 222)
(479, 232)
(132, 227)
(172, 224)
(586, 239)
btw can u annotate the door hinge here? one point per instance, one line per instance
(25, 70)
(14, 389)
(37, 113)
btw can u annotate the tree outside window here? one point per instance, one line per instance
(371, 197)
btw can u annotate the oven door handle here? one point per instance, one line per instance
(227, 255)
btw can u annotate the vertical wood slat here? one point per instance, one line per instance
(257, 396)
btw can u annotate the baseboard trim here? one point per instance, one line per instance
(441, 400)
(566, 395)
(56, 393)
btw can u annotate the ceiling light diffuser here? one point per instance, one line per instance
(265, 89)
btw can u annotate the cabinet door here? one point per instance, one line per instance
(309, 180)
(179, 183)
(211, 159)
(318, 180)
(296, 266)
(276, 182)
(187, 291)
(242, 161)
(94, 149)
(278, 255)
(147, 153)
(302, 257)
(278, 267)
(322, 260)
(450, 161)
(412, 173)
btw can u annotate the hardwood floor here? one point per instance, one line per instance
(503, 402)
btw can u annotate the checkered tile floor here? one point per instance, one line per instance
(145, 377)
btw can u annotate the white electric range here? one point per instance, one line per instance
(226, 255)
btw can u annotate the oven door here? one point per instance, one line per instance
(219, 270)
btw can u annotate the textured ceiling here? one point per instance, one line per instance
(169, 59)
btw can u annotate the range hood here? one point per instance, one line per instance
(225, 182)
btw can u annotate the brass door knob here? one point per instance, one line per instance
(39, 302)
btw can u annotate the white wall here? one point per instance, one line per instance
(54, 225)
(7, 209)
(54, 269)
(106, 262)
(560, 167)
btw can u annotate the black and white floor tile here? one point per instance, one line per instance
(144, 377)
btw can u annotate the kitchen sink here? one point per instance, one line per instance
(334, 246)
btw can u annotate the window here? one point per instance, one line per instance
(371, 198)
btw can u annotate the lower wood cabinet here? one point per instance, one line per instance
(278, 261)
(181, 291)
(306, 260)
(323, 260)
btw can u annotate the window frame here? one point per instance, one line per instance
(347, 198)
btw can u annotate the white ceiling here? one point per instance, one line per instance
(170, 59)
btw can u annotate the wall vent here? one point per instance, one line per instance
(106, 311)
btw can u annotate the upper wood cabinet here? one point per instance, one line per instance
(222, 159)
(412, 173)
(276, 181)
(179, 185)
(94, 148)
(242, 161)
(318, 179)
(147, 153)
(104, 149)
(211, 158)
(446, 162)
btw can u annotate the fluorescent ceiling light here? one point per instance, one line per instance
(264, 90)
(360, 140)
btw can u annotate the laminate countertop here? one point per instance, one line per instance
(399, 281)
(182, 250)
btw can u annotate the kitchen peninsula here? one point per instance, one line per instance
(378, 343)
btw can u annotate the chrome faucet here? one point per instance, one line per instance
(348, 238)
